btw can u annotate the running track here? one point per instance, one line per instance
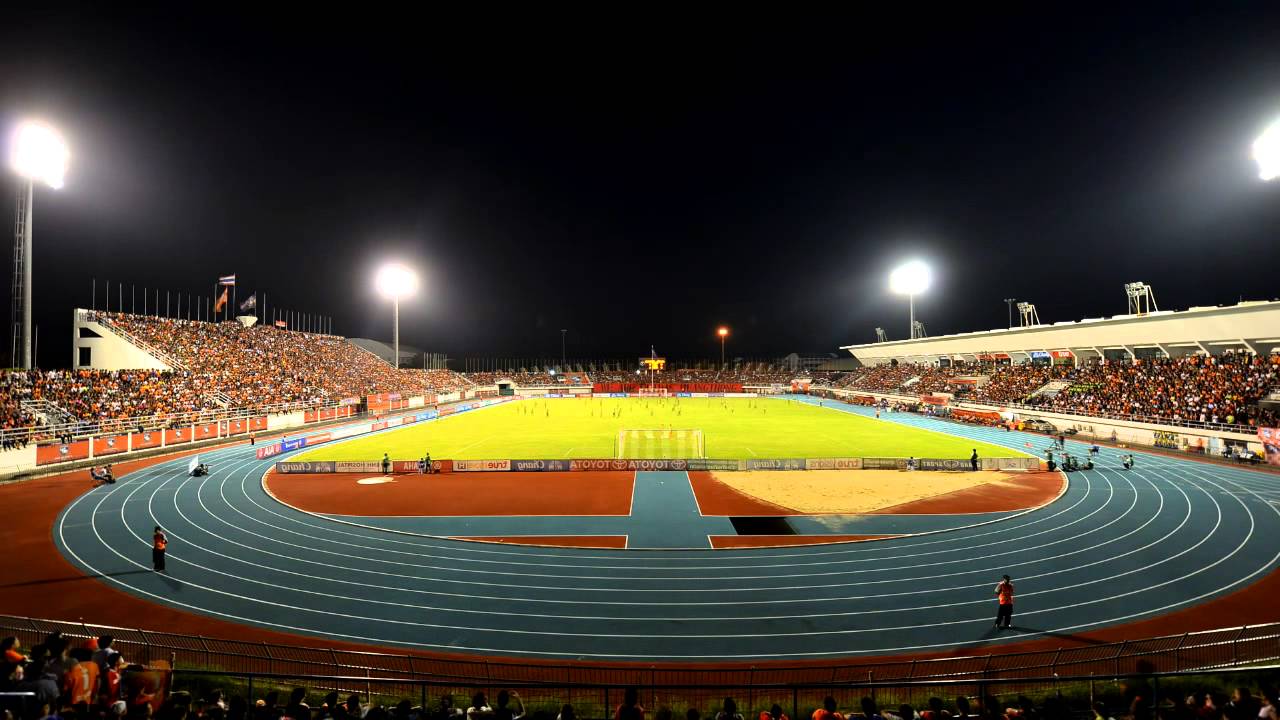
(1114, 548)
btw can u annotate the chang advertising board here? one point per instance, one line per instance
(540, 465)
(294, 468)
(776, 464)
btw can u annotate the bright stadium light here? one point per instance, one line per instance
(723, 332)
(38, 154)
(911, 279)
(395, 281)
(1266, 151)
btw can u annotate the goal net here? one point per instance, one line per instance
(659, 444)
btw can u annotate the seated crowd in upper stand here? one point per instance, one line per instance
(1224, 389)
(223, 365)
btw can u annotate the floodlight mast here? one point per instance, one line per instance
(37, 154)
(395, 281)
(909, 279)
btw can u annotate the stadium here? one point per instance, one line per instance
(221, 503)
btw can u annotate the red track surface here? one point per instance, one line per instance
(495, 493)
(39, 583)
(1020, 492)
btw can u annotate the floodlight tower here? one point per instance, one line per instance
(911, 279)
(1141, 299)
(1027, 314)
(395, 281)
(723, 332)
(38, 154)
(1266, 151)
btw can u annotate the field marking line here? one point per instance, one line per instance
(753, 452)
(566, 452)
(481, 440)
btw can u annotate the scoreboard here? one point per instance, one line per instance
(655, 364)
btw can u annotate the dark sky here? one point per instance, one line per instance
(639, 178)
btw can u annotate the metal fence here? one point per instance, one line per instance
(1223, 648)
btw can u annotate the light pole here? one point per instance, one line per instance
(911, 279)
(1266, 151)
(395, 281)
(37, 154)
(723, 332)
(562, 332)
(1010, 302)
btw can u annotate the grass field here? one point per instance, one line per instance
(731, 428)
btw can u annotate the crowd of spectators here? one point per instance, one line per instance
(534, 378)
(1224, 389)
(219, 366)
(86, 682)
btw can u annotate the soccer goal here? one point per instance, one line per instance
(661, 443)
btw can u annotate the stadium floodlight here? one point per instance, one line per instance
(911, 279)
(395, 281)
(723, 332)
(38, 154)
(1266, 151)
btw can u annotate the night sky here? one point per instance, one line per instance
(640, 179)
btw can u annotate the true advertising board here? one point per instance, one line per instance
(481, 465)
(833, 464)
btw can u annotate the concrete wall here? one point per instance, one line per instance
(108, 351)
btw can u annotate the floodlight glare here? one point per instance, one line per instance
(39, 154)
(1266, 151)
(911, 278)
(395, 281)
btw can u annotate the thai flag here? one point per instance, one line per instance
(227, 280)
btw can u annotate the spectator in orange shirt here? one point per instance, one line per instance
(80, 682)
(775, 713)
(10, 647)
(828, 710)
(159, 542)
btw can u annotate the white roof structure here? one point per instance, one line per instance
(1252, 326)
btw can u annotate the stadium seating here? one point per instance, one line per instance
(222, 365)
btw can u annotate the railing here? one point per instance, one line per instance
(657, 689)
(1224, 648)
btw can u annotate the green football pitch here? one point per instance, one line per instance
(734, 428)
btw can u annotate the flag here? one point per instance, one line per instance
(220, 302)
(249, 304)
(281, 324)
(227, 279)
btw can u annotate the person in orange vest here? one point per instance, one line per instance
(1004, 596)
(828, 710)
(158, 544)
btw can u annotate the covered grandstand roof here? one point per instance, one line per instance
(1253, 326)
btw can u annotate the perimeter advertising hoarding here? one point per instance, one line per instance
(1270, 438)
(481, 465)
(540, 465)
(776, 464)
(611, 464)
(291, 468)
(294, 444)
(267, 451)
(950, 464)
(706, 464)
(365, 466)
(833, 464)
